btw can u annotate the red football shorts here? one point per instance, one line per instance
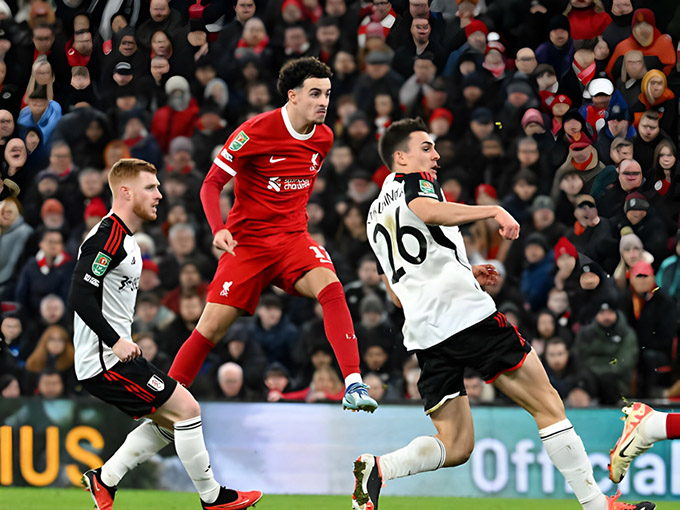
(280, 260)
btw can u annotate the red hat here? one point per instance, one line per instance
(561, 98)
(476, 26)
(487, 189)
(581, 144)
(150, 264)
(97, 208)
(494, 45)
(51, 205)
(375, 29)
(564, 247)
(642, 267)
(441, 113)
(646, 15)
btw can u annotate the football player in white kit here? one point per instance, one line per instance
(111, 367)
(451, 323)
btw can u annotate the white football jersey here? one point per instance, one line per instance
(426, 266)
(103, 295)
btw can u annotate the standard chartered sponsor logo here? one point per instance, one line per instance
(277, 184)
(295, 184)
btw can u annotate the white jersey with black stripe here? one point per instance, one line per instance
(426, 266)
(103, 294)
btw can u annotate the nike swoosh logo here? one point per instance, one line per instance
(622, 453)
(236, 503)
(275, 160)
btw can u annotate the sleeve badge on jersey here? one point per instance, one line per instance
(100, 264)
(427, 188)
(238, 142)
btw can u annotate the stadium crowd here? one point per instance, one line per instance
(565, 112)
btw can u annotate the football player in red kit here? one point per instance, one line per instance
(274, 159)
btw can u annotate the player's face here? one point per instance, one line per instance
(421, 155)
(312, 99)
(145, 196)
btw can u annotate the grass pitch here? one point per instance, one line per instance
(72, 499)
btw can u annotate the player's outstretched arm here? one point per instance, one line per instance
(450, 214)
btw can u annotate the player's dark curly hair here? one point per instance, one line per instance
(396, 138)
(294, 73)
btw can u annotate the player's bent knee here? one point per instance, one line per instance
(181, 406)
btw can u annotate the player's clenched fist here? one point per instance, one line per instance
(126, 350)
(509, 226)
(224, 241)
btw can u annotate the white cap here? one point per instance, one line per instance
(599, 86)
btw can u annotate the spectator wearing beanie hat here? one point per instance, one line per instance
(533, 122)
(95, 210)
(494, 59)
(52, 214)
(612, 197)
(592, 235)
(631, 250)
(646, 223)
(617, 124)
(566, 258)
(476, 33)
(542, 220)
(583, 158)
(573, 130)
(181, 108)
(440, 123)
(558, 51)
(559, 107)
(149, 280)
(645, 37)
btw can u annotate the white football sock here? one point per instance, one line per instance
(352, 378)
(566, 451)
(140, 445)
(191, 451)
(424, 453)
(655, 427)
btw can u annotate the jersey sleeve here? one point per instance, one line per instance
(421, 185)
(99, 255)
(225, 166)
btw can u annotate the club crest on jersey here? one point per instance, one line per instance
(238, 142)
(427, 188)
(315, 163)
(100, 264)
(156, 383)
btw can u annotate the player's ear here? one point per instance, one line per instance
(292, 95)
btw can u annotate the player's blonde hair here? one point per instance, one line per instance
(127, 169)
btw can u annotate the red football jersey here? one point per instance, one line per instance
(274, 170)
